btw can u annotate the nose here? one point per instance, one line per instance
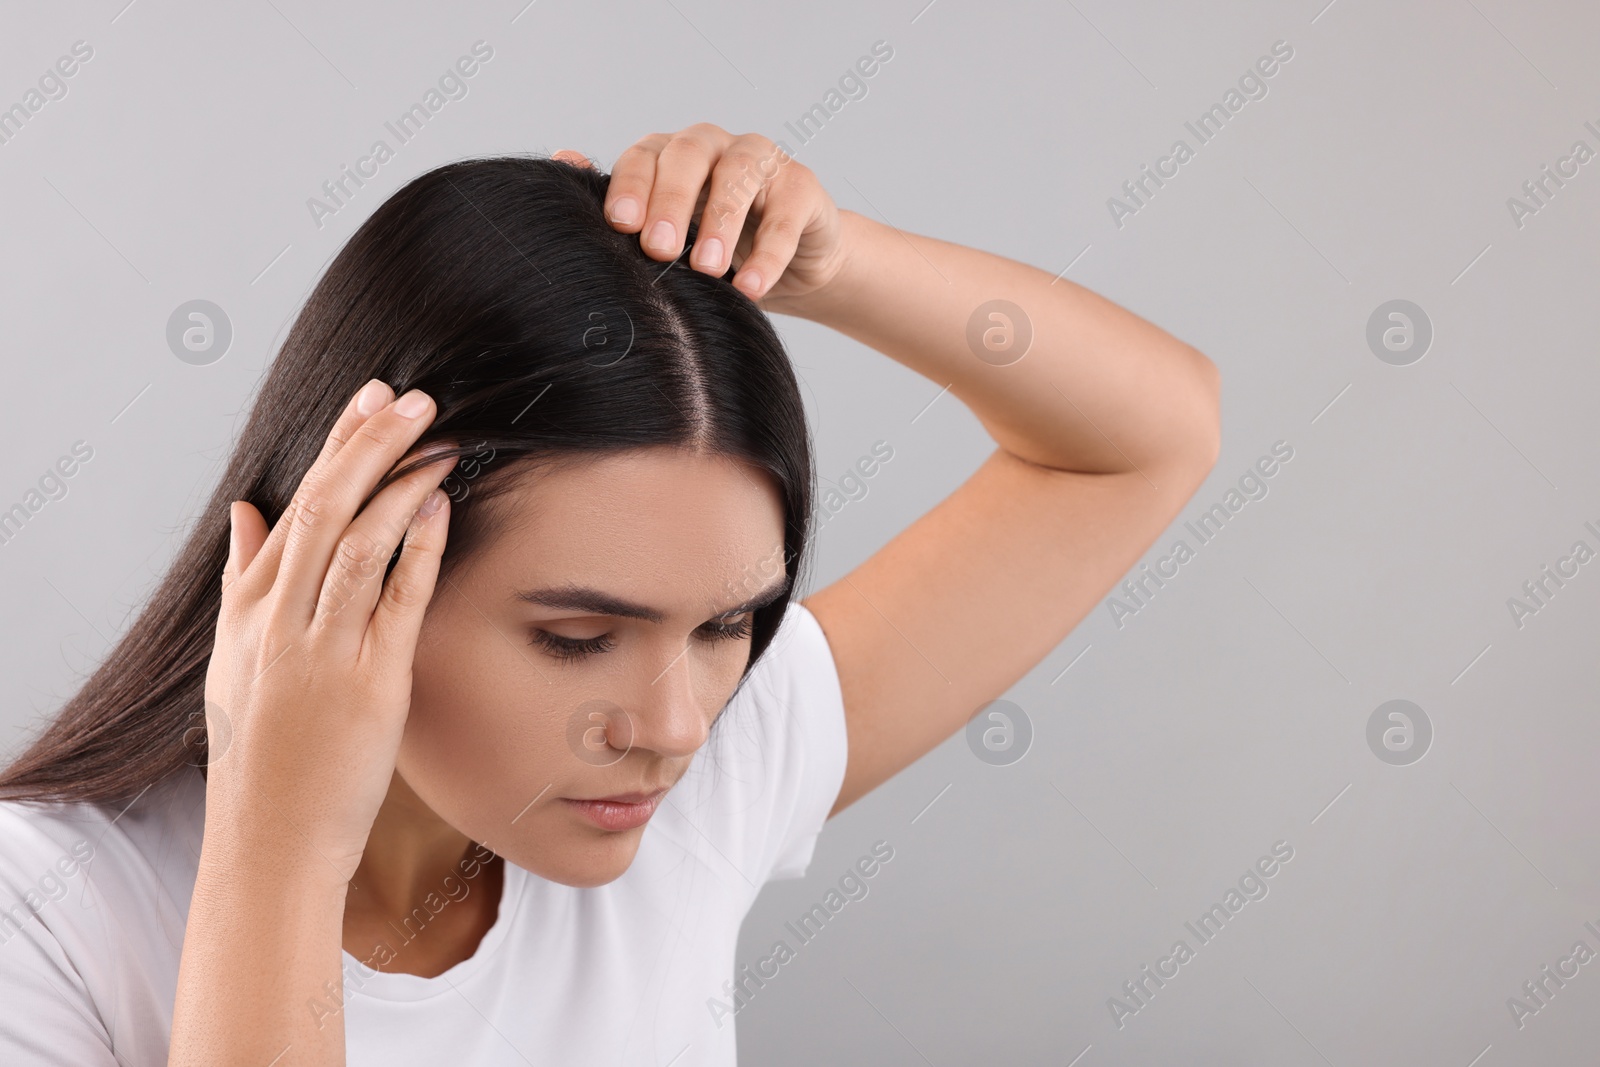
(669, 716)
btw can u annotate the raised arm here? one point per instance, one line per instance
(1106, 426)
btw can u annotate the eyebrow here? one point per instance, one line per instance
(598, 602)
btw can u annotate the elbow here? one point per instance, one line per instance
(1191, 426)
(1206, 436)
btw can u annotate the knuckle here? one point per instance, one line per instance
(358, 554)
(339, 435)
(316, 500)
(374, 433)
(733, 201)
(330, 448)
(782, 228)
(795, 175)
(329, 486)
(309, 510)
(626, 164)
(402, 593)
(745, 157)
(744, 171)
(754, 147)
(269, 638)
(683, 141)
(721, 206)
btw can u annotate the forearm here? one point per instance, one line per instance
(1100, 389)
(261, 974)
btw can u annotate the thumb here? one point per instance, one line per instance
(247, 532)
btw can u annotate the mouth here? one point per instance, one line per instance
(626, 811)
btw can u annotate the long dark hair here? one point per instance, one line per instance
(496, 286)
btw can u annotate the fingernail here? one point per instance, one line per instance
(411, 405)
(711, 252)
(433, 503)
(625, 211)
(663, 236)
(370, 398)
(751, 281)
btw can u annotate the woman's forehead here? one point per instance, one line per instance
(656, 510)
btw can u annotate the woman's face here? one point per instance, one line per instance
(526, 698)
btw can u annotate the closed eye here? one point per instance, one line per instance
(568, 649)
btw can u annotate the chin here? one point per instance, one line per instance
(582, 861)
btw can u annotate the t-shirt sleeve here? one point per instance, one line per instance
(49, 1016)
(803, 690)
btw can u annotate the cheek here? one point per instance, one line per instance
(482, 730)
(485, 738)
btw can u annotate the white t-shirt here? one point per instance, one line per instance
(93, 904)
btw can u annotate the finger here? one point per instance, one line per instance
(366, 401)
(739, 178)
(230, 568)
(631, 177)
(247, 531)
(328, 497)
(682, 168)
(783, 220)
(397, 620)
(573, 156)
(354, 580)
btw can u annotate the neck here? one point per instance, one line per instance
(414, 906)
(410, 853)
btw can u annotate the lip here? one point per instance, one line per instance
(625, 811)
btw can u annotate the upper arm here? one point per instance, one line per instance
(49, 1016)
(961, 604)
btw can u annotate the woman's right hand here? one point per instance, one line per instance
(310, 678)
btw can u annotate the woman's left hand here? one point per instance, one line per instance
(759, 210)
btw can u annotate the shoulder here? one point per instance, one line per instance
(152, 841)
(764, 783)
(93, 903)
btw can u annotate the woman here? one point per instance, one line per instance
(346, 794)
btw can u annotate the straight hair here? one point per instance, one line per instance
(544, 335)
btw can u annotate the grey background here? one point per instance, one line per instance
(1228, 714)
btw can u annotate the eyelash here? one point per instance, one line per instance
(567, 649)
